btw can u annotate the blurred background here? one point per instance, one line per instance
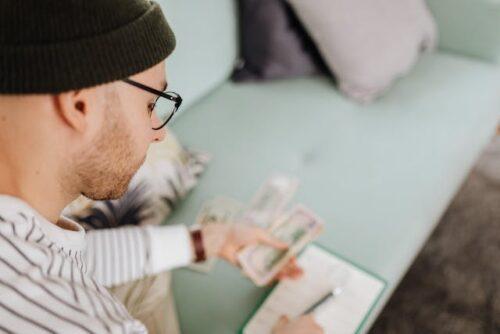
(453, 286)
(386, 112)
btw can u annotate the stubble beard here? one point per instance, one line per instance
(105, 170)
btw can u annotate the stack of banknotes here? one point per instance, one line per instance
(297, 226)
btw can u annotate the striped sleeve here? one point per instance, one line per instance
(44, 290)
(118, 255)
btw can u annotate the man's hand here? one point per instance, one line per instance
(225, 241)
(300, 325)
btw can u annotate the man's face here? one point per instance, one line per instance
(119, 146)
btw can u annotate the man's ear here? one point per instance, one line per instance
(73, 108)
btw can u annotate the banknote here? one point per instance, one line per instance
(270, 200)
(297, 228)
(218, 210)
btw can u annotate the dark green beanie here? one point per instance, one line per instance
(53, 46)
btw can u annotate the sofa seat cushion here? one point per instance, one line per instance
(380, 175)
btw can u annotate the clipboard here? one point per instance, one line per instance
(340, 260)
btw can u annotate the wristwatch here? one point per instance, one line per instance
(198, 246)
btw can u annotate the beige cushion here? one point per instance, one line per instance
(368, 44)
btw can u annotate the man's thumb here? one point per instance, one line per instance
(268, 239)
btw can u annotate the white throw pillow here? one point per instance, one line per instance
(368, 43)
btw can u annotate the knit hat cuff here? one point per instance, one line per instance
(77, 64)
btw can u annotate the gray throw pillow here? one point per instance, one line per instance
(273, 44)
(367, 43)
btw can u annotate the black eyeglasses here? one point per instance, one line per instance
(163, 108)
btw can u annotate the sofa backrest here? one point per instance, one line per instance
(469, 27)
(207, 38)
(207, 45)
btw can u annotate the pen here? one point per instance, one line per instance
(319, 303)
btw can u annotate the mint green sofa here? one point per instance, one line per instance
(381, 175)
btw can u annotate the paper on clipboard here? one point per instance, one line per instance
(341, 315)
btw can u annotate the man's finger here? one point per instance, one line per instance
(283, 320)
(290, 272)
(231, 255)
(310, 318)
(265, 238)
(296, 273)
(293, 267)
(288, 276)
(297, 270)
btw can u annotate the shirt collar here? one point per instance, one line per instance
(72, 236)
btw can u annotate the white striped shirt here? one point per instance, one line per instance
(53, 277)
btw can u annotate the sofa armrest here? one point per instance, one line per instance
(469, 27)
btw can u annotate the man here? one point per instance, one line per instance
(79, 81)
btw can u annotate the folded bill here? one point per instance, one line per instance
(270, 200)
(299, 227)
(218, 210)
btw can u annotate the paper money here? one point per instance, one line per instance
(262, 263)
(270, 200)
(218, 210)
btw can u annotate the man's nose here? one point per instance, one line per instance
(158, 135)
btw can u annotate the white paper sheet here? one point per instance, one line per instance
(341, 314)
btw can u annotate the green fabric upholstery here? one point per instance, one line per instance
(469, 27)
(380, 175)
(207, 46)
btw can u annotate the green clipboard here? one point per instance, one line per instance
(362, 323)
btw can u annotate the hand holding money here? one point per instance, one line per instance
(219, 212)
(241, 236)
(226, 241)
(262, 263)
(260, 237)
(224, 236)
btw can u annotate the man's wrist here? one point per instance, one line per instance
(213, 237)
(198, 247)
